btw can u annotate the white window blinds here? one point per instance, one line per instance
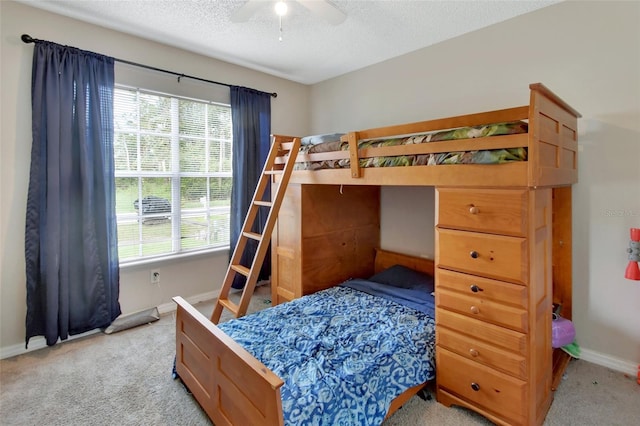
(173, 174)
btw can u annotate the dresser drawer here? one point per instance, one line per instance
(483, 309)
(493, 256)
(482, 386)
(483, 288)
(495, 335)
(499, 302)
(498, 211)
(482, 352)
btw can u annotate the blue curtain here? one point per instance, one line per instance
(72, 270)
(251, 121)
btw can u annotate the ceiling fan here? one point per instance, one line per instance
(323, 8)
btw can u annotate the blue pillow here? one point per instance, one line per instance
(404, 277)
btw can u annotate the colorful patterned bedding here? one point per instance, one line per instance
(343, 354)
(495, 156)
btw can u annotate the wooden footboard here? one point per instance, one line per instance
(229, 383)
(232, 386)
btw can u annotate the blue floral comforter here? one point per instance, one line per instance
(343, 354)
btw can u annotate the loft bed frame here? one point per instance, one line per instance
(552, 162)
(235, 388)
(551, 143)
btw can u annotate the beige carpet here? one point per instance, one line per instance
(125, 379)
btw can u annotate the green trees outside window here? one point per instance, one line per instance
(173, 174)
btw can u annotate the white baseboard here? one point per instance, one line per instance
(608, 361)
(166, 308)
(39, 342)
(604, 360)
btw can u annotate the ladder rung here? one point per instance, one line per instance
(229, 305)
(241, 269)
(286, 146)
(253, 235)
(271, 167)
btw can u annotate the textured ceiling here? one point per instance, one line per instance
(312, 50)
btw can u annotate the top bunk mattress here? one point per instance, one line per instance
(333, 142)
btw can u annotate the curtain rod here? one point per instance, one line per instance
(28, 39)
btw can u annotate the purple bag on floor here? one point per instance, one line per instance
(562, 332)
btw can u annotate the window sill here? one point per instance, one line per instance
(171, 258)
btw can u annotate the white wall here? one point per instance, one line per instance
(191, 277)
(586, 52)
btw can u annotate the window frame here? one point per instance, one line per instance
(174, 175)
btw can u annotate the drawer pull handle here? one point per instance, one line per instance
(475, 288)
(473, 209)
(475, 310)
(475, 386)
(474, 254)
(474, 353)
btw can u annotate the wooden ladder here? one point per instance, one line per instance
(279, 164)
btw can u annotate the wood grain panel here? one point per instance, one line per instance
(506, 293)
(497, 256)
(386, 259)
(229, 383)
(482, 352)
(513, 174)
(562, 250)
(540, 308)
(552, 137)
(499, 336)
(497, 392)
(484, 309)
(334, 257)
(486, 210)
(477, 119)
(325, 235)
(327, 208)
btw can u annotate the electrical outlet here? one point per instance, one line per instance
(155, 276)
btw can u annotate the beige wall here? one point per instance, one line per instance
(194, 277)
(589, 54)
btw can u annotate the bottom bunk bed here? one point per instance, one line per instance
(351, 354)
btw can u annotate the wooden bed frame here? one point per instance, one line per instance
(232, 386)
(236, 389)
(552, 161)
(551, 142)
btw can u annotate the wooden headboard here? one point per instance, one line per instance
(385, 259)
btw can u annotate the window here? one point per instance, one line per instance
(173, 174)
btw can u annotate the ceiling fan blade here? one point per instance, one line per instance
(246, 11)
(326, 10)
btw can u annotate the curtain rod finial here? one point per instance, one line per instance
(27, 38)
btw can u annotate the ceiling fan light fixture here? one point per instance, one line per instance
(281, 8)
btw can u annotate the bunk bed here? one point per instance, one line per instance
(503, 256)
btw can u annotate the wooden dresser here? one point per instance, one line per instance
(494, 302)
(325, 234)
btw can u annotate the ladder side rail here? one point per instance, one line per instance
(263, 245)
(239, 310)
